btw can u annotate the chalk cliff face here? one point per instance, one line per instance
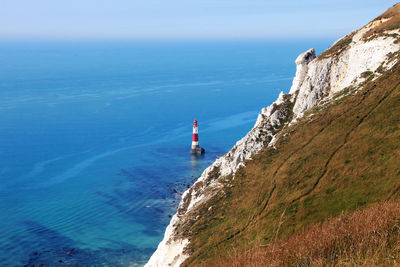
(346, 64)
(326, 76)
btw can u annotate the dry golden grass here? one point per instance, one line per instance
(368, 237)
(393, 22)
(391, 12)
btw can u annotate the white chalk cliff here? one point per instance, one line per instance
(348, 63)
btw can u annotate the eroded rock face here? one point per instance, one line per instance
(302, 62)
(317, 79)
(326, 76)
(170, 252)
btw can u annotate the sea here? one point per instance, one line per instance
(95, 137)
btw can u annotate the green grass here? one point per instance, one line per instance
(366, 74)
(338, 47)
(344, 158)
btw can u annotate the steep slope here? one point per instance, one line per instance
(367, 237)
(238, 199)
(343, 157)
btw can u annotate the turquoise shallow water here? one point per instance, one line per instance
(95, 138)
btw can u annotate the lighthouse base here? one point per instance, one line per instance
(197, 151)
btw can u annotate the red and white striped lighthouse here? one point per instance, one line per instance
(196, 149)
(195, 140)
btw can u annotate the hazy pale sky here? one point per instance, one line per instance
(185, 19)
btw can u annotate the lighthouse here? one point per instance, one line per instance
(196, 149)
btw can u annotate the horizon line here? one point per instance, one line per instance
(167, 39)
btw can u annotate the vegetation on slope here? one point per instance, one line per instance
(366, 237)
(338, 47)
(344, 157)
(390, 20)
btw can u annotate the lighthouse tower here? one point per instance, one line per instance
(196, 149)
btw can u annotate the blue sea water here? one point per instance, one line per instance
(95, 138)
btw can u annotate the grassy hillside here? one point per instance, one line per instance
(390, 20)
(341, 157)
(367, 237)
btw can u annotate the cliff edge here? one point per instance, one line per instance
(345, 68)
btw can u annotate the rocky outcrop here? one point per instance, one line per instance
(348, 63)
(360, 60)
(302, 62)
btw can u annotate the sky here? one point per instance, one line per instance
(185, 19)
